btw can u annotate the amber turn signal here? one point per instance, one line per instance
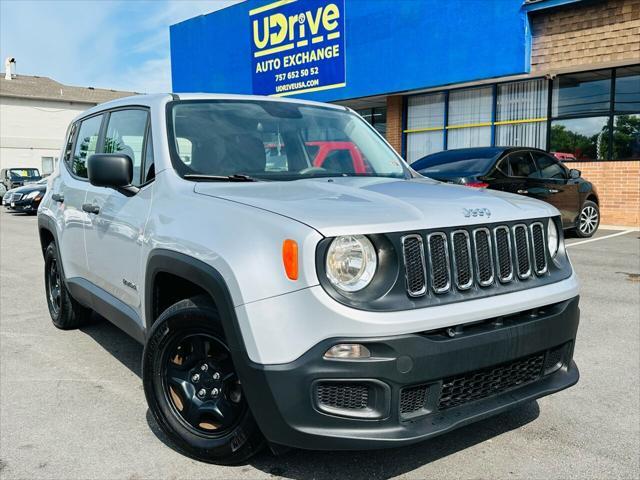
(290, 258)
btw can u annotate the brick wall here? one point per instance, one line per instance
(618, 185)
(394, 122)
(599, 32)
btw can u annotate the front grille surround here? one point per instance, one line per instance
(391, 290)
(439, 262)
(539, 246)
(462, 262)
(483, 253)
(503, 252)
(415, 265)
(522, 251)
(16, 196)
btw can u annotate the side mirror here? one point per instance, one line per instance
(574, 173)
(113, 170)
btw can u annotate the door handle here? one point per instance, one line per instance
(57, 197)
(553, 190)
(91, 208)
(523, 192)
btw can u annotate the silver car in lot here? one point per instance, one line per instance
(339, 306)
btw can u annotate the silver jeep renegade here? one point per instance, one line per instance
(294, 282)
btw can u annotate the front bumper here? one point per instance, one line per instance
(485, 369)
(29, 206)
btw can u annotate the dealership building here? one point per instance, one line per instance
(561, 75)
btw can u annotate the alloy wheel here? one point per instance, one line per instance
(588, 220)
(201, 384)
(54, 285)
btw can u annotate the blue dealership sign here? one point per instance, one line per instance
(297, 46)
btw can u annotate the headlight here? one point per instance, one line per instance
(33, 194)
(351, 262)
(552, 238)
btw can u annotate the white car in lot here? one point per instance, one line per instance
(327, 307)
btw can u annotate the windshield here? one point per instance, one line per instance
(470, 162)
(270, 140)
(18, 173)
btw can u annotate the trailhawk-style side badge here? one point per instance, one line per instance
(476, 212)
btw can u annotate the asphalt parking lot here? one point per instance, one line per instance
(72, 404)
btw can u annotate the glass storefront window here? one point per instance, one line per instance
(581, 93)
(470, 118)
(626, 137)
(420, 144)
(377, 117)
(470, 106)
(521, 111)
(425, 125)
(584, 138)
(425, 111)
(628, 89)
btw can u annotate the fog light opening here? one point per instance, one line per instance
(347, 351)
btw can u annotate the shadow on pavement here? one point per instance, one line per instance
(123, 348)
(299, 464)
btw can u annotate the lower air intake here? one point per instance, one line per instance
(343, 396)
(488, 382)
(412, 399)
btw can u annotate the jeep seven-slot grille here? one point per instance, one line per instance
(489, 381)
(486, 257)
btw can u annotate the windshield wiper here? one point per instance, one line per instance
(219, 178)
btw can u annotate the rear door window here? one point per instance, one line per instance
(86, 145)
(521, 165)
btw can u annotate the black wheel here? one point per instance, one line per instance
(588, 220)
(192, 387)
(66, 313)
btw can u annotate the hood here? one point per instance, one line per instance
(350, 205)
(30, 188)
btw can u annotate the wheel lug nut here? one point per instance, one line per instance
(195, 378)
(202, 392)
(216, 376)
(215, 392)
(204, 367)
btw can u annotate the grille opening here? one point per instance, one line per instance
(522, 251)
(439, 261)
(539, 248)
(343, 396)
(413, 399)
(503, 254)
(480, 384)
(482, 240)
(415, 270)
(462, 259)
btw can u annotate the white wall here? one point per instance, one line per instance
(32, 129)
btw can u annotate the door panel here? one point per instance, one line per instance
(516, 171)
(562, 191)
(113, 237)
(113, 240)
(71, 191)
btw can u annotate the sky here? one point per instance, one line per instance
(122, 45)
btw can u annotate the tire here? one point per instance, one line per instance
(588, 220)
(202, 424)
(66, 313)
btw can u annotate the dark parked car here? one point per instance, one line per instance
(527, 171)
(26, 199)
(17, 177)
